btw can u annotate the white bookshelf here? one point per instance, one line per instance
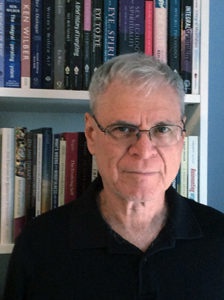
(64, 109)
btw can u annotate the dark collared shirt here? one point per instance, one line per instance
(71, 253)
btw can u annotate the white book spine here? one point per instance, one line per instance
(184, 170)
(193, 167)
(7, 184)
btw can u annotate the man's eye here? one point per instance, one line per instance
(162, 129)
(124, 130)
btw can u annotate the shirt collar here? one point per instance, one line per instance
(89, 230)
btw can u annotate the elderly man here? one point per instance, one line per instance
(130, 235)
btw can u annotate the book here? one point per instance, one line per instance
(87, 36)
(196, 36)
(184, 170)
(55, 170)
(59, 44)
(67, 67)
(186, 44)
(61, 179)
(7, 146)
(193, 167)
(97, 35)
(71, 161)
(36, 43)
(94, 172)
(25, 43)
(131, 26)
(20, 180)
(2, 41)
(12, 56)
(160, 30)
(76, 59)
(84, 165)
(174, 37)
(110, 20)
(149, 7)
(48, 45)
(30, 205)
(46, 168)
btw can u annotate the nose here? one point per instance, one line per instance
(143, 147)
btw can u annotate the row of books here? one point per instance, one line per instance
(186, 182)
(57, 44)
(40, 170)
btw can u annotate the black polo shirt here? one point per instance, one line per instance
(71, 253)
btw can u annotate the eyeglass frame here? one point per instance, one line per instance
(139, 131)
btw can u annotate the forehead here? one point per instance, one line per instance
(131, 102)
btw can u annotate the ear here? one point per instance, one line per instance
(90, 133)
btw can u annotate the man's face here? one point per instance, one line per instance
(139, 171)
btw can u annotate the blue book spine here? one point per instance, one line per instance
(36, 43)
(12, 43)
(131, 26)
(2, 41)
(174, 40)
(110, 29)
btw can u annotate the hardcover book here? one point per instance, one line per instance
(193, 167)
(12, 56)
(131, 26)
(196, 47)
(160, 30)
(149, 7)
(59, 44)
(25, 42)
(97, 34)
(7, 167)
(2, 41)
(67, 66)
(20, 180)
(55, 170)
(186, 44)
(77, 44)
(110, 35)
(36, 43)
(87, 36)
(174, 38)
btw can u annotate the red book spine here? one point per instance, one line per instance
(149, 27)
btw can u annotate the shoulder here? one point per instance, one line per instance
(210, 220)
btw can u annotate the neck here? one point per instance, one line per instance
(138, 223)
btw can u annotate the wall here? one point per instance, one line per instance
(216, 106)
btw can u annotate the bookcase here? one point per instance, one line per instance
(63, 109)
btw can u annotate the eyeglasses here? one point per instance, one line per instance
(161, 135)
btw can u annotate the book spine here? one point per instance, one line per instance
(7, 137)
(46, 133)
(94, 172)
(71, 161)
(25, 43)
(174, 40)
(77, 45)
(110, 21)
(87, 44)
(36, 43)
(184, 170)
(160, 30)
(59, 44)
(67, 67)
(20, 180)
(149, 27)
(12, 55)
(61, 181)
(55, 170)
(30, 209)
(84, 165)
(48, 45)
(39, 153)
(186, 44)
(131, 26)
(2, 41)
(193, 167)
(97, 34)
(196, 47)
